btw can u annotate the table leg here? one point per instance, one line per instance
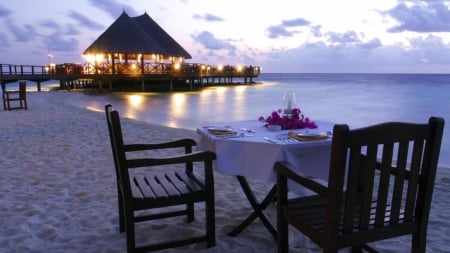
(257, 208)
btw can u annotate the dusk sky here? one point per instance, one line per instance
(304, 36)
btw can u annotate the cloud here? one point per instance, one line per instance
(72, 30)
(113, 8)
(276, 31)
(56, 42)
(295, 22)
(50, 24)
(22, 34)
(372, 44)
(431, 48)
(432, 16)
(348, 37)
(84, 21)
(423, 56)
(4, 43)
(208, 40)
(316, 31)
(4, 12)
(209, 17)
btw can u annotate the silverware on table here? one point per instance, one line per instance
(269, 140)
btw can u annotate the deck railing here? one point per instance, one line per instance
(11, 69)
(179, 70)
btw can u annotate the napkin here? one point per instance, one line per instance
(221, 131)
(317, 137)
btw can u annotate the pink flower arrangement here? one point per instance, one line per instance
(295, 120)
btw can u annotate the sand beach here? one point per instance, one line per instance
(59, 193)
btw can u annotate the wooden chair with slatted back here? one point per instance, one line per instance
(141, 186)
(17, 96)
(380, 186)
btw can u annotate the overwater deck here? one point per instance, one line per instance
(171, 76)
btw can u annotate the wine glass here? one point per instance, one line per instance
(289, 102)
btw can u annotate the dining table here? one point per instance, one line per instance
(249, 149)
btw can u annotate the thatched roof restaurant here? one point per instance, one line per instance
(136, 40)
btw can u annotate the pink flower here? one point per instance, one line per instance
(294, 121)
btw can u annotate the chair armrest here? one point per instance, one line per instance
(286, 170)
(200, 156)
(162, 145)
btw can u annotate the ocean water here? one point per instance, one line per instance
(354, 99)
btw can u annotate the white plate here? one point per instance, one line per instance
(220, 129)
(311, 134)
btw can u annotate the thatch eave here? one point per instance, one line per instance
(139, 35)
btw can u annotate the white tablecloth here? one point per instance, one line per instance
(254, 157)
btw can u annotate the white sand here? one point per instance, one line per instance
(58, 191)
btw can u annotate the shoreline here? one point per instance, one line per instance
(60, 193)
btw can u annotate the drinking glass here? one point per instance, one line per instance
(289, 102)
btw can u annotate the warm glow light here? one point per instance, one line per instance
(221, 90)
(178, 104)
(133, 66)
(240, 88)
(239, 68)
(99, 58)
(179, 99)
(176, 66)
(89, 58)
(220, 67)
(135, 100)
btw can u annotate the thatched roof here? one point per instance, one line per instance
(137, 35)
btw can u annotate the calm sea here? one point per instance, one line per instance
(354, 99)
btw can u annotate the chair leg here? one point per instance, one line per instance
(210, 222)
(121, 212)
(282, 225)
(419, 241)
(4, 100)
(282, 234)
(8, 105)
(190, 212)
(356, 249)
(129, 227)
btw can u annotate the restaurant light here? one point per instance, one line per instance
(99, 58)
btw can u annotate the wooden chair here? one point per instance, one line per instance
(141, 186)
(380, 186)
(17, 95)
